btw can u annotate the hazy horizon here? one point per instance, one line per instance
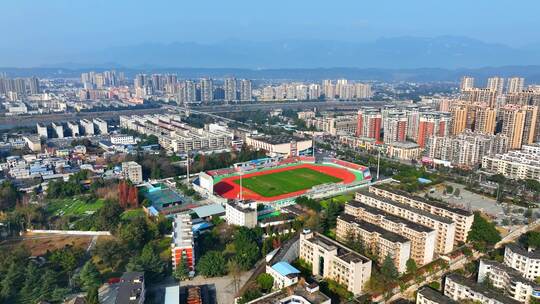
(43, 33)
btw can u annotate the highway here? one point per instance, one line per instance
(9, 122)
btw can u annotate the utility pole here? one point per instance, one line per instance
(187, 166)
(378, 162)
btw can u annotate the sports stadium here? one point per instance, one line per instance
(280, 180)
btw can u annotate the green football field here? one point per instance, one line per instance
(284, 182)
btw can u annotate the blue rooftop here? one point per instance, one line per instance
(424, 180)
(209, 210)
(284, 268)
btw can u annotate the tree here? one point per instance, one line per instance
(111, 252)
(8, 195)
(532, 239)
(389, 270)
(483, 232)
(250, 294)
(107, 217)
(149, 262)
(411, 266)
(89, 276)
(332, 212)
(137, 233)
(234, 271)
(181, 272)
(212, 264)
(265, 281)
(92, 296)
(457, 192)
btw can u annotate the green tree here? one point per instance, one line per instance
(411, 266)
(108, 216)
(249, 295)
(137, 233)
(483, 233)
(332, 212)
(10, 283)
(149, 262)
(8, 195)
(532, 239)
(89, 276)
(265, 281)
(212, 264)
(389, 270)
(92, 296)
(111, 252)
(181, 272)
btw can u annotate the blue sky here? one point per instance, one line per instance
(82, 24)
(41, 32)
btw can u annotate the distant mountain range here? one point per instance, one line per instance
(390, 53)
(444, 58)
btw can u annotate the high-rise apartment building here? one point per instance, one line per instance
(467, 148)
(369, 123)
(187, 92)
(485, 119)
(33, 84)
(519, 124)
(432, 124)
(229, 86)
(362, 91)
(459, 118)
(314, 91)
(329, 90)
(515, 84)
(245, 90)
(496, 84)
(395, 127)
(467, 83)
(480, 95)
(207, 89)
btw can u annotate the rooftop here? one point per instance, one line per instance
(209, 210)
(532, 254)
(395, 219)
(404, 206)
(162, 197)
(285, 269)
(299, 290)
(388, 235)
(344, 253)
(479, 288)
(130, 286)
(424, 200)
(435, 296)
(279, 139)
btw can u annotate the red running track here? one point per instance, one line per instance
(227, 188)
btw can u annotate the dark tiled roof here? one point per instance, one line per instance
(388, 235)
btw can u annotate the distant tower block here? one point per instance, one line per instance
(42, 131)
(101, 125)
(74, 127)
(58, 129)
(87, 126)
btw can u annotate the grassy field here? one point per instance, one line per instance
(73, 206)
(286, 181)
